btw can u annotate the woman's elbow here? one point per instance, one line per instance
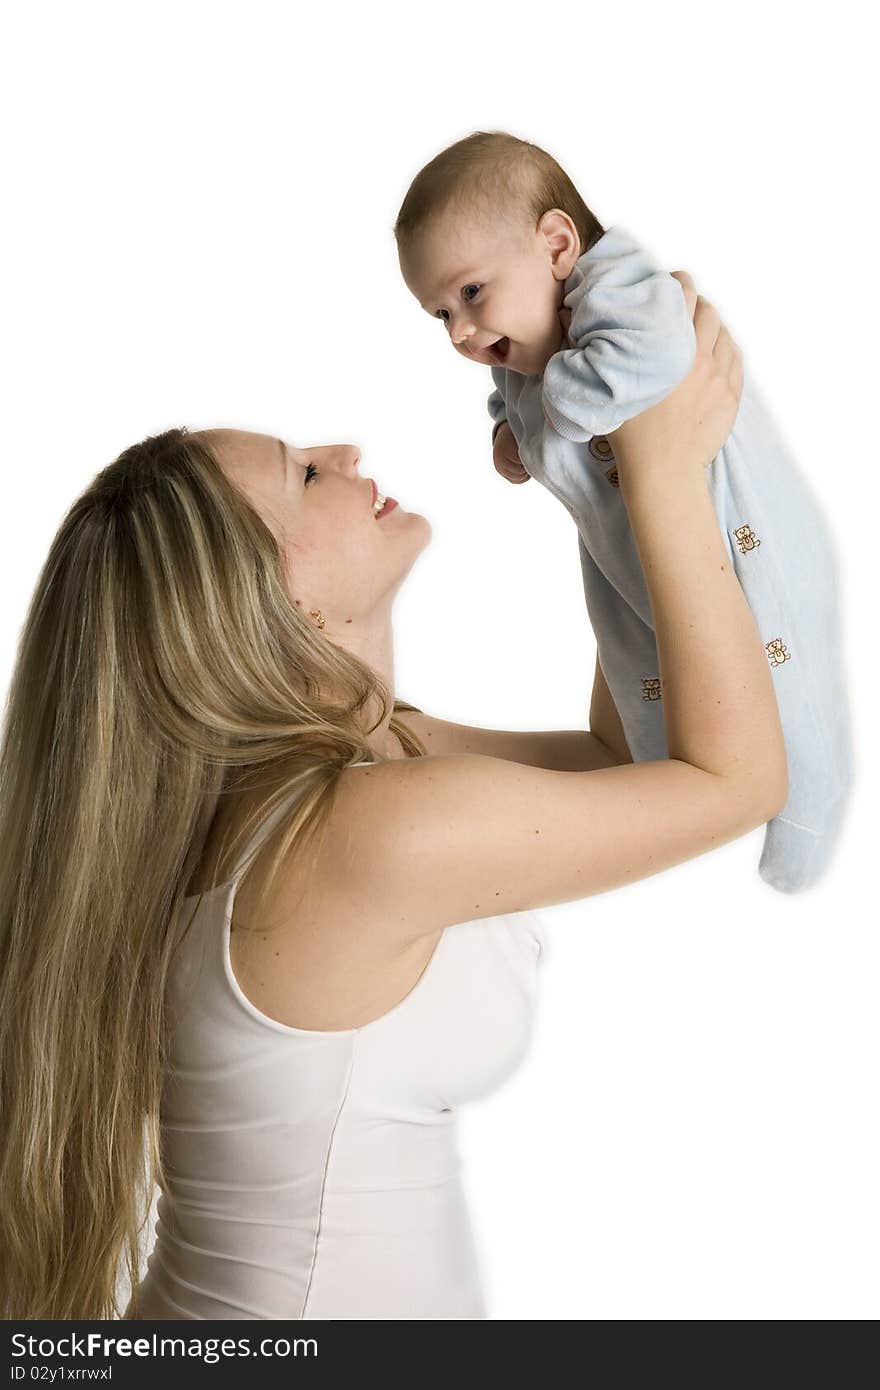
(774, 793)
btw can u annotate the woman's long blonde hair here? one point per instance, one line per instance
(163, 666)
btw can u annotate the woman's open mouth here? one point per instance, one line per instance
(381, 505)
(499, 349)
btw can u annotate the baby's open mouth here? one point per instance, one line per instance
(498, 349)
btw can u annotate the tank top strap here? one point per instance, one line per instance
(266, 825)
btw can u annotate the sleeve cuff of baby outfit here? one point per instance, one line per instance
(568, 429)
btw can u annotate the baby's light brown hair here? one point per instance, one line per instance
(494, 175)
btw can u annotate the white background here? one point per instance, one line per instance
(199, 203)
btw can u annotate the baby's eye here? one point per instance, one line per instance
(311, 473)
(469, 298)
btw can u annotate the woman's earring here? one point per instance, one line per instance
(318, 616)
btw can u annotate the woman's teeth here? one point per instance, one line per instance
(378, 504)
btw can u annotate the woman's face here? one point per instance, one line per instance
(341, 559)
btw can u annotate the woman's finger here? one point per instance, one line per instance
(685, 279)
(688, 287)
(728, 355)
(707, 324)
(725, 348)
(710, 333)
(736, 372)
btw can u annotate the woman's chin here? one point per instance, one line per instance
(400, 523)
(424, 524)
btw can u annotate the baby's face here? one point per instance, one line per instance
(498, 289)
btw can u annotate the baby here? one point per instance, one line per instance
(581, 331)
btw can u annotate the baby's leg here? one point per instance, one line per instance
(784, 558)
(628, 656)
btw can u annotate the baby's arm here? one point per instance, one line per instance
(632, 336)
(496, 407)
(505, 454)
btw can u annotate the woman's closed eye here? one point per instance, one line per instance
(311, 474)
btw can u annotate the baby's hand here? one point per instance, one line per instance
(505, 456)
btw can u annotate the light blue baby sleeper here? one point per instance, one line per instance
(633, 342)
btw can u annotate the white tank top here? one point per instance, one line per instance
(316, 1174)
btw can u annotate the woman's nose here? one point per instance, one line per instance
(345, 457)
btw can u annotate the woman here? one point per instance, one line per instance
(207, 659)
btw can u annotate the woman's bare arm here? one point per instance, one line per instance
(561, 750)
(604, 719)
(419, 844)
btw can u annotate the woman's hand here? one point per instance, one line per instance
(687, 428)
(505, 456)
